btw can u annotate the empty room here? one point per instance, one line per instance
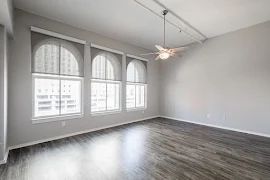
(134, 90)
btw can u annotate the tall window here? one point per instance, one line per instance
(136, 85)
(57, 79)
(106, 84)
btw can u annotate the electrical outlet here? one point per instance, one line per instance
(223, 117)
(63, 123)
(208, 115)
(143, 111)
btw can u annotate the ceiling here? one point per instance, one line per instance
(127, 21)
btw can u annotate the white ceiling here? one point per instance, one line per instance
(128, 22)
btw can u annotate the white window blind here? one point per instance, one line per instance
(136, 72)
(106, 66)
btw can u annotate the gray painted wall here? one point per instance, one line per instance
(227, 76)
(21, 129)
(6, 15)
(3, 91)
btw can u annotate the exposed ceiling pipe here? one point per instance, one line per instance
(181, 19)
(181, 30)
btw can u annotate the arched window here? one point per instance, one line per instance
(57, 79)
(106, 84)
(136, 85)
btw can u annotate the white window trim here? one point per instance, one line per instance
(104, 113)
(57, 35)
(106, 49)
(107, 112)
(51, 118)
(145, 98)
(56, 118)
(137, 57)
(137, 109)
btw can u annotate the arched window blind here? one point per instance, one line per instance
(136, 83)
(57, 70)
(136, 72)
(56, 56)
(106, 81)
(106, 66)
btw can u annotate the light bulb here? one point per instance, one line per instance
(164, 55)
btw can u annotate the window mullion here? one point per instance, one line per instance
(60, 88)
(135, 72)
(106, 82)
(106, 97)
(135, 96)
(135, 67)
(145, 95)
(105, 67)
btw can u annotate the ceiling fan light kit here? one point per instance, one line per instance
(164, 55)
(164, 52)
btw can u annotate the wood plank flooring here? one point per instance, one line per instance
(154, 149)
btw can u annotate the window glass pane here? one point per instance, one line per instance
(98, 67)
(113, 96)
(47, 58)
(70, 97)
(98, 97)
(130, 96)
(140, 96)
(46, 97)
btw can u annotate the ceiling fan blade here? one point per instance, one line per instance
(157, 58)
(149, 54)
(159, 47)
(179, 49)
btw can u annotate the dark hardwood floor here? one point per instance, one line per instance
(153, 149)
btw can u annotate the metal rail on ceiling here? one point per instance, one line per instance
(176, 26)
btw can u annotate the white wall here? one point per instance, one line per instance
(21, 130)
(3, 91)
(227, 76)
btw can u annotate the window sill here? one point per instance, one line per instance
(58, 118)
(137, 109)
(105, 113)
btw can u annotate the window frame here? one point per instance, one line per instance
(106, 81)
(105, 112)
(43, 75)
(145, 97)
(50, 118)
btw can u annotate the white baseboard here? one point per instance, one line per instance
(220, 127)
(5, 158)
(76, 133)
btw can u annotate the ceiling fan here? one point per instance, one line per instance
(165, 52)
